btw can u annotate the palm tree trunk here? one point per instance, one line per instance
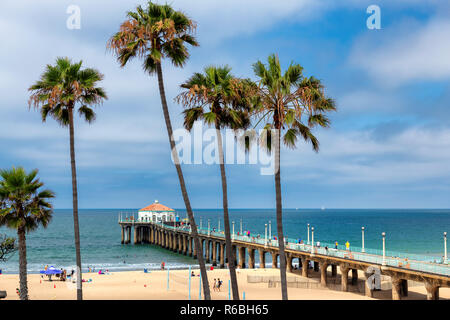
(22, 264)
(75, 206)
(198, 248)
(284, 294)
(230, 253)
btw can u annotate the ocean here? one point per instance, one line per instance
(410, 231)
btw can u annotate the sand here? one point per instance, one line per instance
(137, 285)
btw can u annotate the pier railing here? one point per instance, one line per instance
(394, 259)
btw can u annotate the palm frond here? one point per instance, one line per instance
(64, 85)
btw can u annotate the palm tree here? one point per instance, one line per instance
(60, 90)
(286, 101)
(219, 99)
(7, 245)
(154, 33)
(24, 207)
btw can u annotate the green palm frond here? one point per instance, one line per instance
(153, 33)
(217, 97)
(210, 117)
(290, 137)
(307, 135)
(87, 113)
(22, 203)
(191, 116)
(318, 119)
(62, 87)
(290, 102)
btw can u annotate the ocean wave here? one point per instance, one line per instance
(114, 267)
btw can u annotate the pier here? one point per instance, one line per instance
(400, 269)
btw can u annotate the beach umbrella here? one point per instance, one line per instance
(50, 271)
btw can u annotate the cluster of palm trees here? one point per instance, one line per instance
(288, 103)
(285, 104)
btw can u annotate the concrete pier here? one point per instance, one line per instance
(251, 258)
(343, 268)
(241, 257)
(323, 273)
(274, 260)
(305, 266)
(262, 259)
(214, 249)
(354, 276)
(333, 270)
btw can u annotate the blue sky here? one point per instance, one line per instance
(388, 147)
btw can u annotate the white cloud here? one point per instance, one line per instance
(129, 134)
(218, 19)
(364, 100)
(406, 52)
(413, 155)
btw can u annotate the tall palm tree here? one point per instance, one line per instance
(61, 89)
(24, 207)
(290, 104)
(154, 33)
(218, 98)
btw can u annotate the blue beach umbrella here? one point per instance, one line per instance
(50, 271)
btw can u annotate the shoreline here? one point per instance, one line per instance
(137, 285)
(117, 267)
(112, 269)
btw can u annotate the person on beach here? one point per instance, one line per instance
(219, 284)
(64, 275)
(347, 245)
(335, 244)
(162, 265)
(215, 285)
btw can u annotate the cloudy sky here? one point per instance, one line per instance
(388, 147)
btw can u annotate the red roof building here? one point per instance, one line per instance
(156, 212)
(156, 206)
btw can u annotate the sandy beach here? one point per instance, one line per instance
(137, 285)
